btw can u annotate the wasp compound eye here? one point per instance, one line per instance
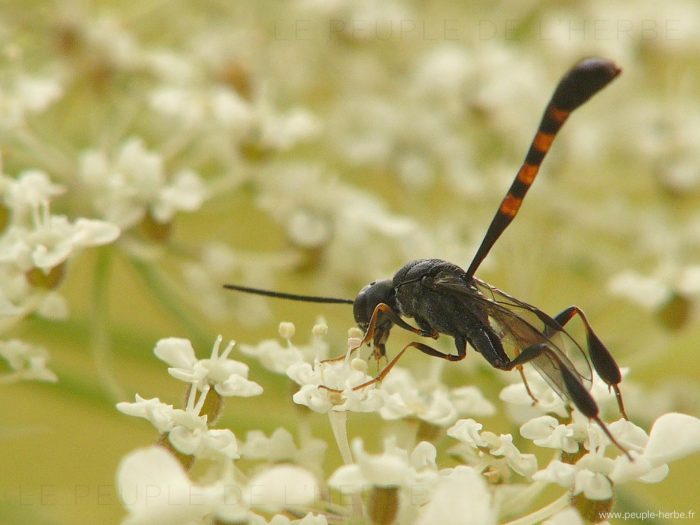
(369, 297)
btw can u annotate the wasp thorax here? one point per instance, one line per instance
(369, 297)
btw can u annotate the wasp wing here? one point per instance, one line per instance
(520, 325)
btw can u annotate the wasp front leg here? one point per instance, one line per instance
(383, 318)
(429, 350)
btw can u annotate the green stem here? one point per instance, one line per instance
(10, 379)
(339, 426)
(165, 293)
(523, 498)
(99, 322)
(545, 512)
(37, 148)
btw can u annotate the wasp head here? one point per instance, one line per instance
(369, 297)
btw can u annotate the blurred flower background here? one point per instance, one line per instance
(152, 151)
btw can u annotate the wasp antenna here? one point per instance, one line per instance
(289, 296)
(579, 84)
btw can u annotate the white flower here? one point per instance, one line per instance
(470, 401)
(283, 131)
(52, 239)
(668, 138)
(189, 433)
(227, 376)
(672, 436)
(13, 287)
(523, 464)
(205, 106)
(35, 245)
(29, 191)
(486, 450)
(590, 476)
(405, 398)
(273, 355)
(429, 402)
(38, 93)
(135, 183)
(468, 432)
(186, 192)
(394, 468)
(28, 362)
(186, 429)
(108, 41)
(155, 489)
(27, 95)
(188, 95)
(280, 447)
(216, 263)
(286, 330)
(280, 519)
(198, 441)
(443, 73)
(653, 291)
(520, 405)
(546, 431)
(461, 497)
(154, 410)
(278, 357)
(283, 486)
(318, 210)
(329, 386)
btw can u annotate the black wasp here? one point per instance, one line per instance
(442, 298)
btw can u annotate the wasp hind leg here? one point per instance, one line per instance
(576, 391)
(604, 363)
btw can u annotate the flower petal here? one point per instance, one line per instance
(283, 486)
(460, 498)
(467, 431)
(238, 386)
(673, 436)
(348, 479)
(175, 351)
(156, 490)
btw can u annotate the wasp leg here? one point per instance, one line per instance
(377, 334)
(578, 393)
(521, 371)
(603, 361)
(429, 350)
(389, 312)
(370, 334)
(432, 352)
(378, 378)
(488, 344)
